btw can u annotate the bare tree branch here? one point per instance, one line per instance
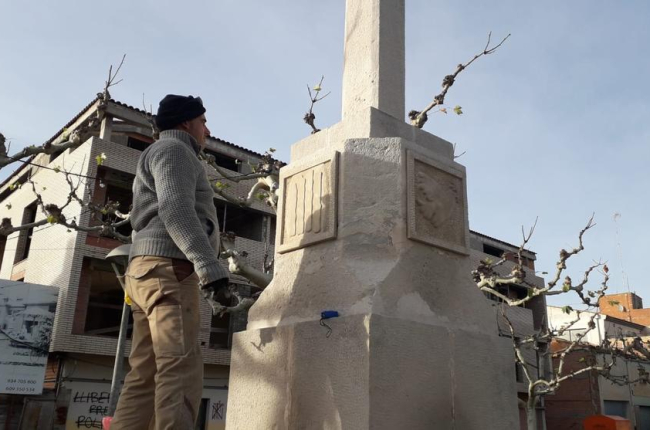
(487, 279)
(155, 133)
(459, 155)
(110, 82)
(237, 263)
(265, 189)
(66, 139)
(309, 117)
(62, 143)
(419, 118)
(238, 266)
(243, 304)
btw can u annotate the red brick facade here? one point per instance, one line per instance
(577, 398)
(625, 306)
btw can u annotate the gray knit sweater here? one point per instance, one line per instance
(173, 212)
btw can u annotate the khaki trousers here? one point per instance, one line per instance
(163, 389)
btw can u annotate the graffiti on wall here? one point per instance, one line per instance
(218, 410)
(88, 405)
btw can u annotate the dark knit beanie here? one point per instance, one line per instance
(174, 110)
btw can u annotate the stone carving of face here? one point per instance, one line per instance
(433, 200)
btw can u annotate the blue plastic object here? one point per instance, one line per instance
(325, 315)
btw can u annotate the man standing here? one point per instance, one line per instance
(175, 251)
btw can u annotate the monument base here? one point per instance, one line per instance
(372, 372)
(376, 229)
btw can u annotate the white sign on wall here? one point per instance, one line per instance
(26, 319)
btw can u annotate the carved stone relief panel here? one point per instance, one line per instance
(436, 204)
(308, 209)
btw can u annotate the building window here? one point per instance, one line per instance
(117, 187)
(519, 373)
(222, 328)
(20, 181)
(201, 421)
(105, 299)
(3, 244)
(243, 222)
(136, 143)
(220, 331)
(514, 292)
(125, 199)
(615, 407)
(273, 231)
(55, 155)
(492, 250)
(223, 160)
(25, 236)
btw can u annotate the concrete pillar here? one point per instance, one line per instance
(106, 129)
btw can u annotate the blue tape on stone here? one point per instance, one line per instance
(329, 314)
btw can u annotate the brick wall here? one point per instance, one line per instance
(576, 399)
(51, 256)
(625, 306)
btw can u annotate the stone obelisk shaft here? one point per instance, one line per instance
(373, 68)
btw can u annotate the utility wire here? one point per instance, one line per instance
(58, 170)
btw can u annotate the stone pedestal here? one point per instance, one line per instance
(375, 228)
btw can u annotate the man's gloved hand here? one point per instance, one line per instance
(217, 294)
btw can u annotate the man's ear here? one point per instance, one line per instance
(185, 125)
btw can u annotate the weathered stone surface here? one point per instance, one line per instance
(370, 123)
(372, 372)
(416, 331)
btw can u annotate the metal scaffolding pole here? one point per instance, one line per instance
(119, 258)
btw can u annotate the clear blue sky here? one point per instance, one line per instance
(556, 123)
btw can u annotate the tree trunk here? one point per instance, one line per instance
(531, 414)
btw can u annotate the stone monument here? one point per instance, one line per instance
(372, 223)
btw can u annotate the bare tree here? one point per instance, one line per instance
(419, 118)
(598, 359)
(54, 214)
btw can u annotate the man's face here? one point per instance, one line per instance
(197, 128)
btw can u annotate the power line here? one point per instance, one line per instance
(49, 225)
(58, 170)
(48, 249)
(54, 169)
(40, 229)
